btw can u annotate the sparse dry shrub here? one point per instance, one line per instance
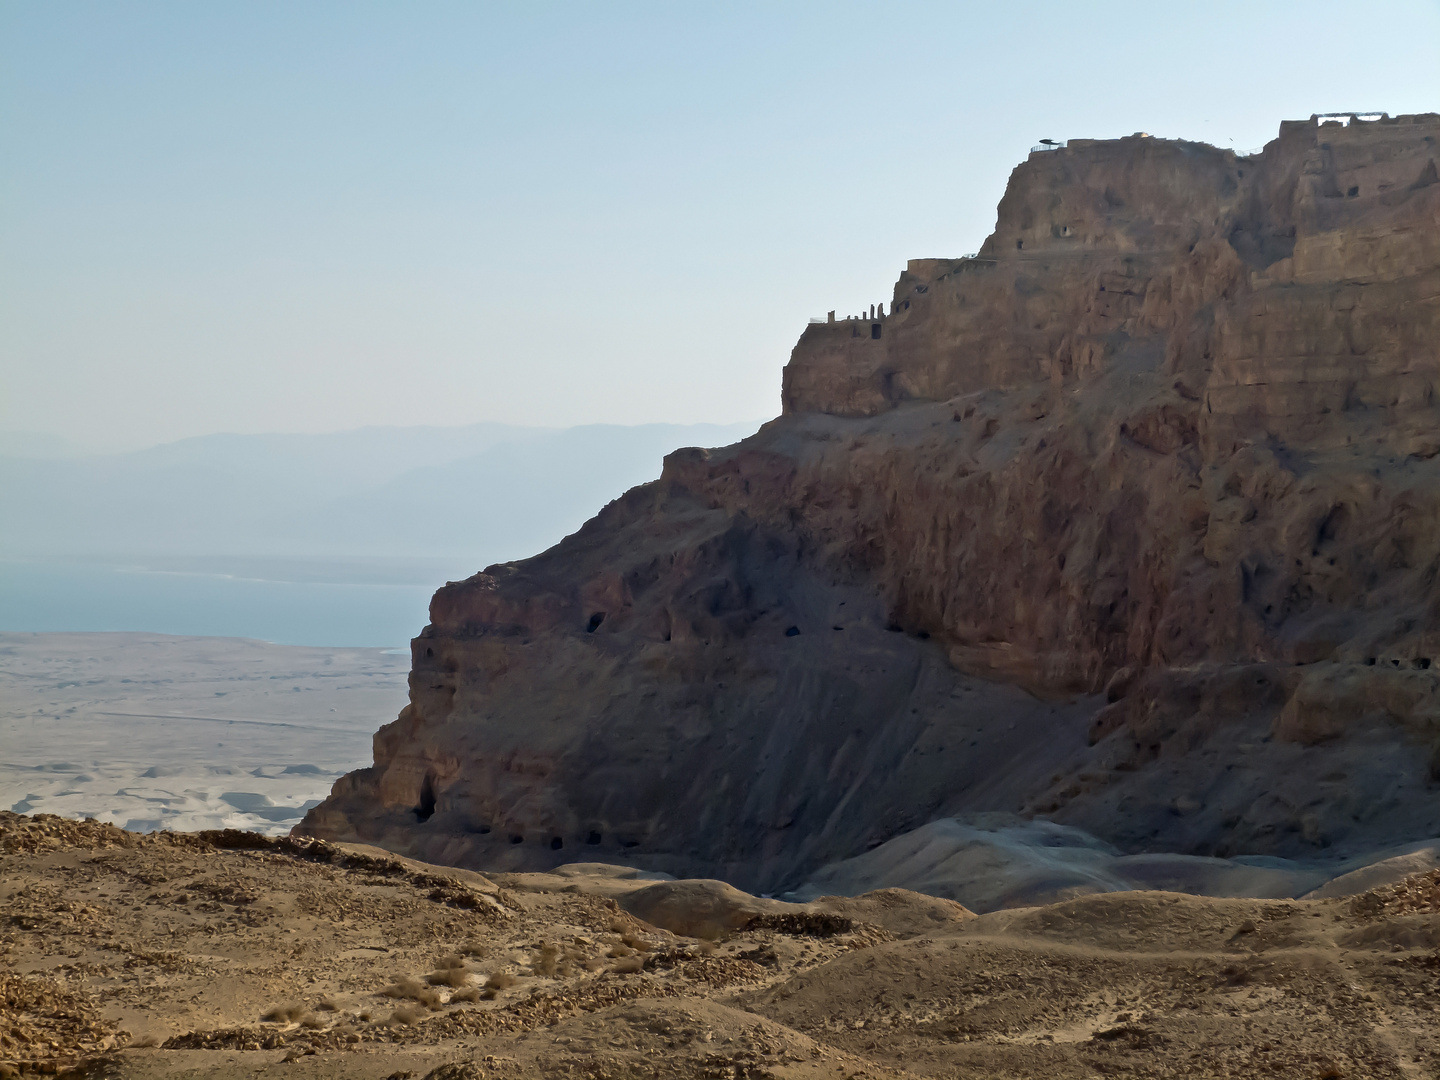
(1235, 975)
(413, 990)
(639, 944)
(149, 1039)
(404, 1016)
(500, 980)
(459, 1070)
(616, 951)
(328, 1006)
(284, 1014)
(572, 959)
(470, 993)
(594, 963)
(451, 960)
(707, 948)
(628, 965)
(454, 977)
(311, 1022)
(472, 948)
(803, 924)
(548, 960)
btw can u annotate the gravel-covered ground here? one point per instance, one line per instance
(231, 954)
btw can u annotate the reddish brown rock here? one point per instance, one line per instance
(1130, 520)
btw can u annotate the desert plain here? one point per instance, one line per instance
(153, 731)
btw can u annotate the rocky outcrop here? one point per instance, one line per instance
(1129, 520)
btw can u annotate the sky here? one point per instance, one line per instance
(274, 216)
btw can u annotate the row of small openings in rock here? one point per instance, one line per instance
(1420, 663)
(874, 329)
(592, 838)
(556, 843)
(425, 810)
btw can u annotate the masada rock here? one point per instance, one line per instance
(1131, 521)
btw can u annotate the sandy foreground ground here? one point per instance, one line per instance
(150, 731)
(234, 955)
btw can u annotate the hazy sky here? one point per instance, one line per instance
(282, 216)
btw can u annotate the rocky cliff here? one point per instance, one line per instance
(1130, 520)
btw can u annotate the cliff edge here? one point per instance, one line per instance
(1129, 521)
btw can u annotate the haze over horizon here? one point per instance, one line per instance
(269, 218)
(327, 539)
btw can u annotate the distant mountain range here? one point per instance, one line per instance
(485, 493)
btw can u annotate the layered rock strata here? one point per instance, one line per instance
(1129, 520)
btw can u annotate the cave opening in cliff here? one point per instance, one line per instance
(874, 330)
(595, 621)
(426, 808)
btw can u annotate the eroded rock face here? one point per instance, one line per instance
(1131, 520)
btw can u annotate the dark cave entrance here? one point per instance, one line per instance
(426, 809)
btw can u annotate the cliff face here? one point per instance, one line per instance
(1130, 520)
